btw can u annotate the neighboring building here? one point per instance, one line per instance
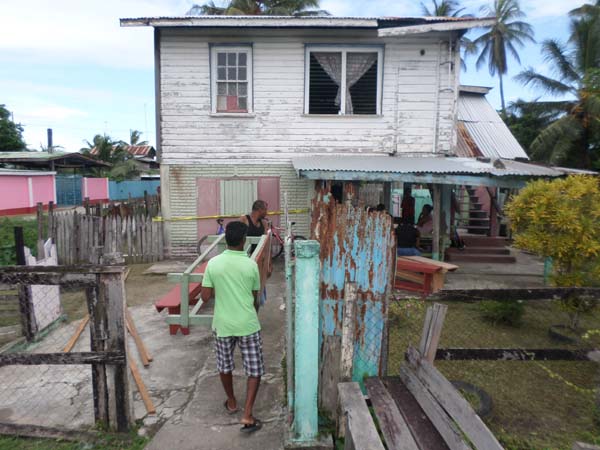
(255, 107)
(49, 160)
(26, 189)
(144, 156)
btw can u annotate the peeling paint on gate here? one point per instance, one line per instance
(355, 247)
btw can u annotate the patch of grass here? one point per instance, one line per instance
(7, 237)
(537, 404)
(105, 442)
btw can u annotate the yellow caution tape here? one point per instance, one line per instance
(225, 216)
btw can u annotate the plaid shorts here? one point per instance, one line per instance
(251, 348)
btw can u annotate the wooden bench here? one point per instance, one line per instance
(172, 300)
(420, 274)
(420, 409)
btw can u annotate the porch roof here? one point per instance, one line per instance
(423, 169)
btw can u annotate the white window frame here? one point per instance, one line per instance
(343, 49)
(213, 76)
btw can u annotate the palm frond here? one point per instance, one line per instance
(556, 142)
(547, 84)
(555, 53)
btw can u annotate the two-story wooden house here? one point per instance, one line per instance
(240, 100)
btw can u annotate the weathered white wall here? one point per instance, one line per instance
(279, 130)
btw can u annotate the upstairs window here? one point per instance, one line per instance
(343, 80)
(231, 79)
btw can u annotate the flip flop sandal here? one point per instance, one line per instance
(251, 427)
(230, 411)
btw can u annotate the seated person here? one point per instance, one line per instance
(407, 238)
(425, 222)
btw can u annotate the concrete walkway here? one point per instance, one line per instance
(197, 419)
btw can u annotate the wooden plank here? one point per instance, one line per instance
(33, 359)
(455, 404)
(142, 351)
(42, 278)
(129, 238)
(113, 289)
(442, 422)
(161, 242)
(437, 323)
(329, 374)
(360, 430)
(150, 408)
(426, 328)
(411, 276)
(97, 312)
(348, 331)
(513, 354)
(444, 265)
(421, 428)
(472, 295)
(40, 231)
(77, 249)
(78, 331)
(393, 426)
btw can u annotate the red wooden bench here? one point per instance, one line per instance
(415, 276)
(172, 300)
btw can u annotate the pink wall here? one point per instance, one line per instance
(44, 189)
(19, 194)
(15, 192)
(95, 188)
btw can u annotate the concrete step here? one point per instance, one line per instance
(476, 207)
(466, 257)
(481, 250)
(477, 213)
(483, 241)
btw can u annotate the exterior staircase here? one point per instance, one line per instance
(479, 219)
(481, 249)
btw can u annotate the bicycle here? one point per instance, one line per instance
(278, 243)
(220, 230)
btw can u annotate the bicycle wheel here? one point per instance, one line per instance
(199, 248)
(276, 247)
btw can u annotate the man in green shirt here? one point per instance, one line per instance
(234, 280)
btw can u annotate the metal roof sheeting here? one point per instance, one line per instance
(422, 165)
(486, 130)
(135, 150)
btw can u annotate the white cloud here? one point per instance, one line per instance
(80, 32)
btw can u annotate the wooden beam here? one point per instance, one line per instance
(348, 331)
(32, 359)
(513, 294)
(150, 408)
(453, 403)
(142, 350)
(329, 374)
(436, 414)
(512, 354)
(393, 426)
(435, 331)
(360, 432)
(77, 333)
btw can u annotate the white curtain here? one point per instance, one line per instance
(332, 65)
(357, 64)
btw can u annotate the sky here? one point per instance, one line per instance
(69, 66)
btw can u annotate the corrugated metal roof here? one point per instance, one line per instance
(17, 172)
(289, 21)
(486, 129)
(421, 165)
(39, 158)
(135, 150)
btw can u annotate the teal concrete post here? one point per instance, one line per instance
(548, 268)
(306, 341)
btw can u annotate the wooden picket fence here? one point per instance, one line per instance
(82, 238)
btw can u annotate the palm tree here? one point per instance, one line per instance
(260, 7)
(445, 8)
(502, 38)
(574, 138)
(134, 138)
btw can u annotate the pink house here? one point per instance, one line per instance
(22, 190)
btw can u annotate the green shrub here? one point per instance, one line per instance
(506, 313)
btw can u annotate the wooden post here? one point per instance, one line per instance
(86, 204)
(348, 331)
(437, 220)
(27, 325)
(112, 289)
(306, 341)
(147, 206)
(97, 314)
(40, 231)
(51, 231)
(432, 330)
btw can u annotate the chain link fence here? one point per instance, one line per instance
(535, 385)
(65, 324)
